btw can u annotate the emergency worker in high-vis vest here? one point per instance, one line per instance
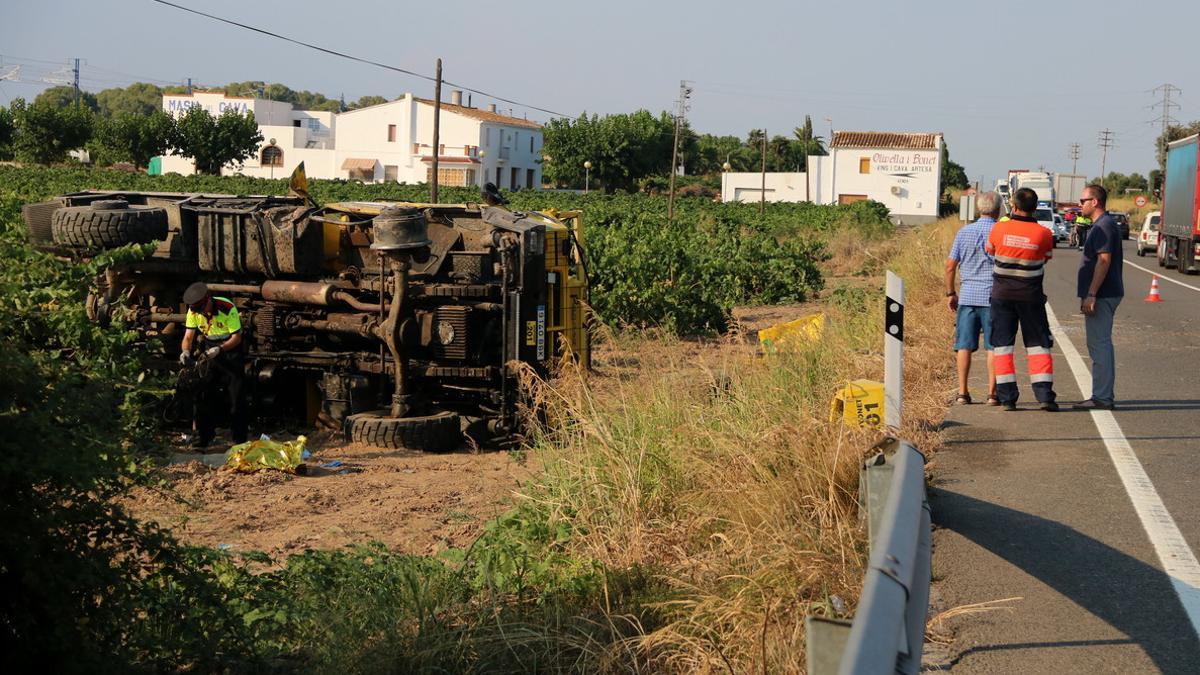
(1020, 248)
(221, 396)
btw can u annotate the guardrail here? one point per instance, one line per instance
(888, 630)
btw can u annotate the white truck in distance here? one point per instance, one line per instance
(1068, 189)
(1038, 182)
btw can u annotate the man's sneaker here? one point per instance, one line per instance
(1050, 406)
(1092, 404)
(1008, 406)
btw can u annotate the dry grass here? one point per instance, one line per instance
(719, 470)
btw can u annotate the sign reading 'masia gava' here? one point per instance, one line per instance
(904, 162)
(180, 105)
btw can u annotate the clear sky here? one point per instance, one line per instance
(1011, 84)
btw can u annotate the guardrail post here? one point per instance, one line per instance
(888, 631)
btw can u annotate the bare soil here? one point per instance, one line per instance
(413, 502)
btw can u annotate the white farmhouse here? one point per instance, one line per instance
(386, 142)
(901, 170)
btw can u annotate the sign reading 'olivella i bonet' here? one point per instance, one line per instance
(904, 163)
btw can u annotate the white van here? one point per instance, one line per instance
(1148, 238)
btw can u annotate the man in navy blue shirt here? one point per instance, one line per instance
(1100, 287)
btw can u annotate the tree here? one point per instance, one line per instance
(366, 101)
(712, 152)
(1174, 133)
(1119, 183)
(8, 130)
(64, 97)
(954, 176)
(46, 133)
(1156, 178)
(133, 138)
(139, 98)
(624, 149)
(213, 142)
(808, 143)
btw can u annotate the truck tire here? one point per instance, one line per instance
(430, 433)
(108, 224)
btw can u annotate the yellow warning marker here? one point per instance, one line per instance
(860, 404)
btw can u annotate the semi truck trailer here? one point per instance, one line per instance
(1179, 233)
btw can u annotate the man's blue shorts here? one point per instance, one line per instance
(968, 323)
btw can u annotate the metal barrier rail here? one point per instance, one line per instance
(888, 630)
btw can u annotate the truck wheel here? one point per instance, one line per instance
(431, 433)
(1160, 251)
(108, 223)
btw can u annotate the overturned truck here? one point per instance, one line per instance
(404, 324)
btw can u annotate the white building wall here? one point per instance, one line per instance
(748, 187)
(325, 140)
(908, 182)
(363, 134)
(457, 133)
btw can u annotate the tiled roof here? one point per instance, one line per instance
(884, 139)
(483, 115)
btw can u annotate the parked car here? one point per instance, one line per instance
(1122, 220)
(1148, 238)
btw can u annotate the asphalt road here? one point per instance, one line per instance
(1052, 514)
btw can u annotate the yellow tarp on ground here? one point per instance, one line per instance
(792, 334)
(265, 454)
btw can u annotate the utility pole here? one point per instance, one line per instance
(1074, 154)
(1105, 142)
(76, 71)
(762, 196)
(437, 134)
(685, 91)
(1165, 116)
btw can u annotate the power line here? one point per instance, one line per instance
(685, 92)
(359, 59)
(1165, 117)
(1105, 142)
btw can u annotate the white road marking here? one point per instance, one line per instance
(1173, 551)
(1162, 276)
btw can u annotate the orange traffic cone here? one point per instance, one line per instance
(1154, 294)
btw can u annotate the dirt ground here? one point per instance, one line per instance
(414, 502)
(411, 501)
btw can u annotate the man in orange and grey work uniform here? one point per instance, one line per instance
(218, 321)
(1021, 247)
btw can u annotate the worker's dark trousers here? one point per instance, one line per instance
(1007, 316)
(223, 398)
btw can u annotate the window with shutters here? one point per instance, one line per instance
(864, 165)
(391, 133)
